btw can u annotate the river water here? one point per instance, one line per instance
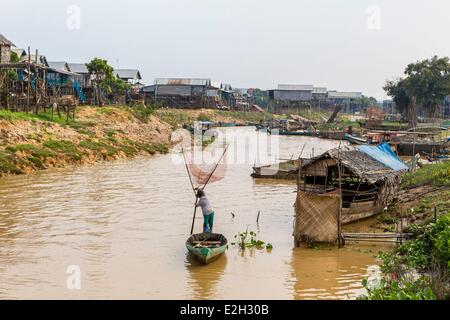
(123, 225)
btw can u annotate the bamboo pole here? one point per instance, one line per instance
(204, 186)
(340, 197)
(29, 79)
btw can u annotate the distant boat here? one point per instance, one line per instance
(289, 133)
(355, 140)
(207, 247)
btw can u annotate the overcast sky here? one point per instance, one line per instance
(346, 45)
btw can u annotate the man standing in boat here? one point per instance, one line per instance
(208, 212)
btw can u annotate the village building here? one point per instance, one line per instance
(82, 70)
(60, 77)
(179, 92)
(350, 101)
(288, 96)
(344, 185)
(131, 76)
(5, 48)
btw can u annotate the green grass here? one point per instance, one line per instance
(143, 112)
(100, 147)
(174, 117)
(24, 116)
(247, 116)
(440, 200)
(8, 164)
(65, 147)
(151, 148)
(35, 151)
(437, 174)
(36, 161)
(203, 117)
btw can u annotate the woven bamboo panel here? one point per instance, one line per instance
(317, 217)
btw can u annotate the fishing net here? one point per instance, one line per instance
(205, 170)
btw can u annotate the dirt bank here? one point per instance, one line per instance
(36, 142)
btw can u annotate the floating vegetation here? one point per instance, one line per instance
(248, 239)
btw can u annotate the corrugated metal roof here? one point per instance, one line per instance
(64, 72)
(128, 74)
(216, 84)
(80, 68)
(4, 41)
(58, 65)
(183, 81)
(320, 90)
(344, 95)
(296, 87)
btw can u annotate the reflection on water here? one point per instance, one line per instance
(328, 273)
(125, 224)
(203, 280)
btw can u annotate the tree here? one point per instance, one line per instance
(115, 85)
(397, 89)
(102, 73)
(429, 82)
(426, 84)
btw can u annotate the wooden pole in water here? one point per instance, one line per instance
(299, 176)
(340, 197)
(29, 79)
(193, 189)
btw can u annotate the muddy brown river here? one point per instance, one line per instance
(123, 226)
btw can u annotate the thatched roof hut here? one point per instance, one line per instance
(347, 183)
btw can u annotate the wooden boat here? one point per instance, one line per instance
(289, 133)
(355, 140)
(206, 247)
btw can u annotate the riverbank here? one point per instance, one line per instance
(420, 268)
(179, 117)
(30, 142)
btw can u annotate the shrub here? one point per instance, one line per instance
(403, 289)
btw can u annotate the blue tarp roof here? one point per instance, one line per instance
(384, 154)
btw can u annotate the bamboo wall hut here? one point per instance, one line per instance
(344, 185)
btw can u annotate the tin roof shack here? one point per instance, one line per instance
(5, 48)
(179, 92)
(60, 78)
(132, 76)
(351, 101)
(366, 177)
(82, 70)
(319, 94)
(290, 96)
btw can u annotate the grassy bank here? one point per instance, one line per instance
(180, 117)
(433, 174)
(30, 142)
(420, 268)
